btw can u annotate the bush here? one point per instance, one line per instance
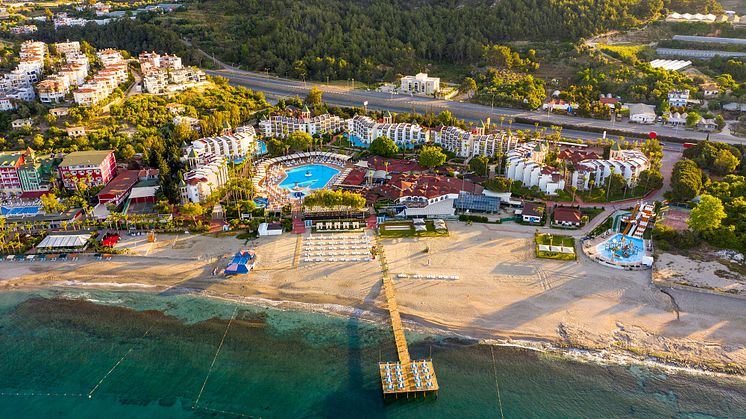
(473, 218)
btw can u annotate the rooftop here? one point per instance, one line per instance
(122, 183)
(93, 157)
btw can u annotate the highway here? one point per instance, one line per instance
(275, 87)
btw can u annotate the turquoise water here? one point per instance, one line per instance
(622, 248)
(261, 148)
(313, 176)
(153, 356)
(357, 142)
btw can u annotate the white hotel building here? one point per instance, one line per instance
(469, 144)
(628, 163)
(525, 163)
(282, 126)
(202, 179)
(367, 129)
(231, 146)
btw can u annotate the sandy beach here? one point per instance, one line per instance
(503, 293)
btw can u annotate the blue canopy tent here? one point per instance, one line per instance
(241, 263)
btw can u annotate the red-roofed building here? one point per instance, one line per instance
(568, 217)
(394, 165)
(119, 188)
(424, 189)
(91, 167)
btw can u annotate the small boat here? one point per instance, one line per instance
(308, 173)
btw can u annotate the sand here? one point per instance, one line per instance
(502, 292)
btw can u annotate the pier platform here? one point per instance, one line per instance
(405, 377)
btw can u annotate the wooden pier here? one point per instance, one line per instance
(405, 377)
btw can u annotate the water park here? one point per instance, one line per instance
(283, 180)
(623, 246)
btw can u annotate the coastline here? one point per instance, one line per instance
(504, 295)
(543, 344)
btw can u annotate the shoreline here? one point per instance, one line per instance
(533, 342)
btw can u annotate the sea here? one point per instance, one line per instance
(116, 354)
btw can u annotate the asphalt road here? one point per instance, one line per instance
(277, 88)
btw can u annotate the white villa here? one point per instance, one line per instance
(282, 126)
(420, 84)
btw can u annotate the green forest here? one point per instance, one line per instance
(371, 40)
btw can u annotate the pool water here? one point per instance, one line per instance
(312, 176)
(357, 142)
(19, 211)
(622, 248)
(261, 148)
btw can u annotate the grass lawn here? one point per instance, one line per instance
(591, 213)
(554, 240)
(409, 232)
(607, 224)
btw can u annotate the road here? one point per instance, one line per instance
(275, 87)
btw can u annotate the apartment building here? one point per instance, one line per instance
(281, 126)
(104, 82)
(365, 129)
(109, 57)
(90, 167)
(67, 48)
(18, 83)
(471, 143)
(202, 179)
(10, 183)
(23, 29)
(53, 89)
(678, 98)
(231, 146)
(153, 62)
(164, 74)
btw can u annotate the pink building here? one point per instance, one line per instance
(91, 167)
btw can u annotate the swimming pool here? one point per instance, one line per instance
(33, 210)
(621, 248)
(357, 142)
(312, 176)
(261, 148)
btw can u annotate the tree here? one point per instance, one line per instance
(707, 215)
(725, 162)
(479, 165)
(720, 121)
(299, 140)
(51, 204)
(468, 86)
(384, 147)
(686, 180)
(691, 119)
(650, 179)
(191, 209)
(431, 156)
(314, 97)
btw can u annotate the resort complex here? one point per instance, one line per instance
(252, 210)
